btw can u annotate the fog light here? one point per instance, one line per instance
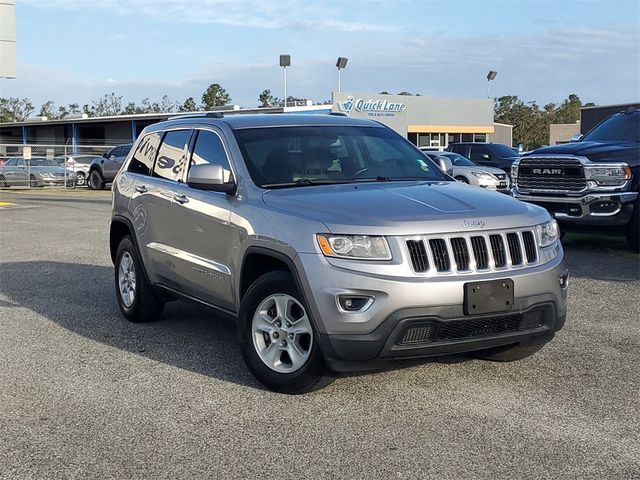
(603, 207)
(354, 303)
(563, 280)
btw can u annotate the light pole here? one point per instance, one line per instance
(340, 64)
(285, 61)
(490, 76)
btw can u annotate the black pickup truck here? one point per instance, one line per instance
(589, 184)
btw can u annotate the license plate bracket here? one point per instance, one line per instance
(492, 296)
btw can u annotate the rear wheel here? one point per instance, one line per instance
(136, 300)
(3, 182)
(96, 182)
(278, 340)
(462, 179)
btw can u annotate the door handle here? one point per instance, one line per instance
(181, 199)
(141, 189)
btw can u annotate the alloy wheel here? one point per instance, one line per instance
(127, 279)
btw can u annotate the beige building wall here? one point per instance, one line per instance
(562, 132)
(7, 39)
(503, 134)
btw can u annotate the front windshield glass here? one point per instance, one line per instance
(624, 127)
(42, 162)
(458, 160)
(287, 156)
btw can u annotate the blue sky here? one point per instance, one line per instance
(77, 50)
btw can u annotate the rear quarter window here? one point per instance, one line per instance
(145, 154)
(171, 160)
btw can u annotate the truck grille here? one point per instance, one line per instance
(550, 175)
(472, 253)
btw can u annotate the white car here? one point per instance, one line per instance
(467, 171)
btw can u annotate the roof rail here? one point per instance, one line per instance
(198, 115)
(339, 114)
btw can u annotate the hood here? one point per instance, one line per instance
(595, 151)
(478, 168)
(405, 208)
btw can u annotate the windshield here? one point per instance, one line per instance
(623, 127)
(42, 162)
(503, 150)
(288, 156)
(458, 160)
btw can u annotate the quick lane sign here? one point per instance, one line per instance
(374, 108)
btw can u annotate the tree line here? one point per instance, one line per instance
(530, 121)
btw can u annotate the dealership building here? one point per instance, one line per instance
(426, 121)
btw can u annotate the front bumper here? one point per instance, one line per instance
(371, 334)
(591, 209)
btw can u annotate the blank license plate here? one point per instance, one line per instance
(488, 297)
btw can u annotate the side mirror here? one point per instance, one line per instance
(576, 137)
(486, 156)
(209, 177)
(444, 164)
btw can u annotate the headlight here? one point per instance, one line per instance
(547, 233)
(354, 246)
(483, 175)
(514, 169)
(616, 174)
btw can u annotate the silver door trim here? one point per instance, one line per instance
(189, 257)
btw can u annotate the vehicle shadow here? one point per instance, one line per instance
(81, 299)
(600, 257)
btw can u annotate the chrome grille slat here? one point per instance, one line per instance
(568, 181)
(472, 252)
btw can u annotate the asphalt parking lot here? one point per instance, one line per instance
(84, 394)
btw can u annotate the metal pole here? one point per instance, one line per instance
(285, 87)
(488, 88)
(64, 165)
(339, 91)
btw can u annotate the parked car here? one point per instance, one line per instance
(333, 241)
(80, 165)
(494, 155)
(467, 171)
(36, 172)
(103, 169)
(590, 184)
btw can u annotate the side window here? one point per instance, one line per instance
(171, 155)
(10, 163)
(477, 152)
(125, 150)
(145, 154)
(209, 149)
(115, 152)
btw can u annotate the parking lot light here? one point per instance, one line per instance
(490, 76)
(340, 64)
(285, 61)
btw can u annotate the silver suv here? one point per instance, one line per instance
(334, 242)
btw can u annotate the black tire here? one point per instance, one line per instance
(3, 182)
(146, 305)
(306, 378)
(96, 181)
(633, 230)
(33, 182)
(509, 353)
(462, 179)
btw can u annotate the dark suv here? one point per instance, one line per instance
(494, 155)
(104, 169)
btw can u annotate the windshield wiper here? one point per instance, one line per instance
(303, 182)
(381, 178)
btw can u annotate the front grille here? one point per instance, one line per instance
(472, 253)
(440, 254)
(550, 174)
(426, 331)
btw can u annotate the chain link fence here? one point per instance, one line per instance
(48, 166)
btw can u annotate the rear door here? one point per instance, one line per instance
(163, 250)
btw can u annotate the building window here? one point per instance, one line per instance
(467, 137)
(480, 137)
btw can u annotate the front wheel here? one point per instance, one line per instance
(96, 182)
(80, 179)
(3, 182)
(136, 300)
(33, 181)
(277, 339)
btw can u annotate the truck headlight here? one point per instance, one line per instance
(483, 175)
(547, 233)
(616, 174)
(354, 246)
(514, 169)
